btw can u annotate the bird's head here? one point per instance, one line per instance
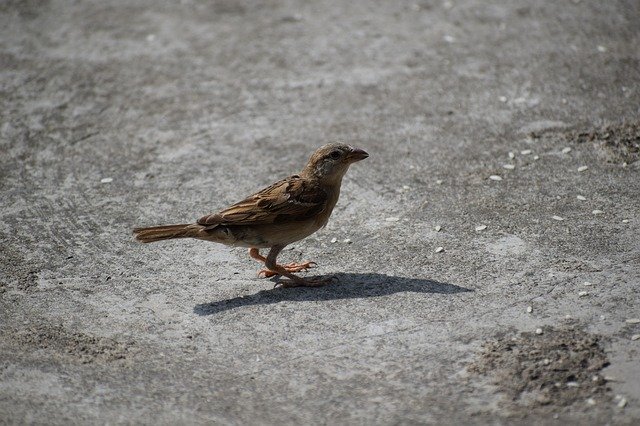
(330, 162)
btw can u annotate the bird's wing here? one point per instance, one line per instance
(290, 199)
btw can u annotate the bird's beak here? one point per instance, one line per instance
(357, 154)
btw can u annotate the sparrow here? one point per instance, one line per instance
(285, 212)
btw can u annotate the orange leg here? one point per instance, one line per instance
(289, 267)
(272, 268)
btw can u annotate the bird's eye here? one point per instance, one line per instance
(335, 154)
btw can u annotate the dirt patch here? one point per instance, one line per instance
(557, 368)
(81, 347)
(619, 141)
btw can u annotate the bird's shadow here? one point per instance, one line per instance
(346, 286)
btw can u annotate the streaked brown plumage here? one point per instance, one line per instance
(287, 211)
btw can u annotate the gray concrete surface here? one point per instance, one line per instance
(188, 106)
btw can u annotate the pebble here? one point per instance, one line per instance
(481, 227)
(106, 180)
(572, 384)
(502, 99)
(587, 283)
(334, 240)
(557, 217)
(439, 249)
(347, 241)
(625, 220)
(632, 321)
(509, 166)
(581, 198)
(525, 152)
(583, 293)
(536, 157)
(449, 39)
(597, 212)
(495, 177)
(622, 403)
(438, 228)
(511, 155)
(566, 150)
(529, 309)
(538, 331)
(439, 181)
(582, 168)
(392, 219)
(635, 337)
(601, 49)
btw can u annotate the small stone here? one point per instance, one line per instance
(566, 150)
(106, 180)
(392, 219)
(495, 177)
(581, 198)
(536, 157)
(635, 337)
(583, 293)
(625, 220)
(601, 49)
(439, 181)
(564, 100)
(334, 240)
(438, 228)
(587, 283)
(529, 309)
(582, 168)
(151, 37)
(502, 99)
(406, 187)
(597, 212)
(538, 331)
(525, 152)
(622, 403)
(572, 384)
(439, 249)
(632, 320)
(557, 217)
(511, 155)
(449, 39)
(591, 401)
(546, 361)
(346, 241)
(595, 378)
(481, 227)
(509, 166)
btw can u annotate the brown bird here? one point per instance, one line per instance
(287, 211)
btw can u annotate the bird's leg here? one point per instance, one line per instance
(290, 267)
(294, 280)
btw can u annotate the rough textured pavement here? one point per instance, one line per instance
(120, 114)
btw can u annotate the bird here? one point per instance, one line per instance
(287, 211)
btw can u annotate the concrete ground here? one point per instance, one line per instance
(120, 114)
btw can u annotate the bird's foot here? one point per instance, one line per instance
(289, 267)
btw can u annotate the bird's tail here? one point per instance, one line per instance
(165, 232)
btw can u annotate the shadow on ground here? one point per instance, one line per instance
(347, 286)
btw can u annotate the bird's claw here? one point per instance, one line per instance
(289, 267)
